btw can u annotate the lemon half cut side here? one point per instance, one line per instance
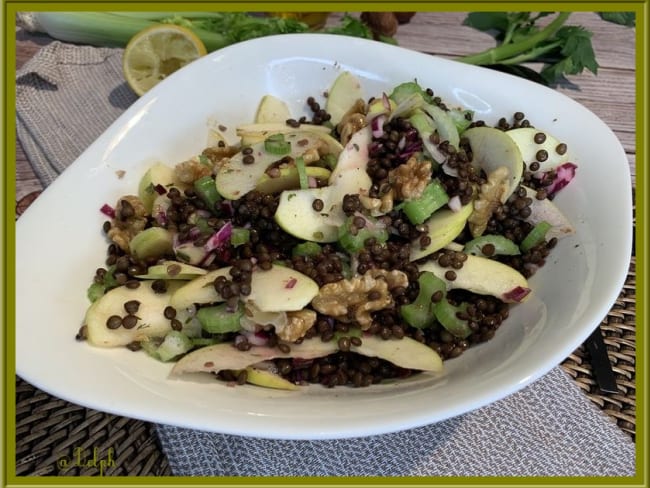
(156, 52)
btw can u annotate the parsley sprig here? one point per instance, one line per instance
(563, 49)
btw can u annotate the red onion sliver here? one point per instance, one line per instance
(517, 294)
(107, 210)
(564, 174)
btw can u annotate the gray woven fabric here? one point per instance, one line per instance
(547, 429)
(66, 97)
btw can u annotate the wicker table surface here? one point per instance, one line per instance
(53, 433)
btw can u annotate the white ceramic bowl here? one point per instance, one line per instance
(55, 263)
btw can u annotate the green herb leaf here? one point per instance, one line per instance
(577, 54)
(350, 26)
(627, 19)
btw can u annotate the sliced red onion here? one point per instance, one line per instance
(209, 259)
(406, 155)
(291, 283)
(517, 294)
(260, 338)
(107, 210)
(160, 189)
(219, 239)
(564, 174)
(375, 148)
(377, 126)
(194, 233)
(312, 182)
(454, 203)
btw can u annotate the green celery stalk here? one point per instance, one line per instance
(420, 209)
(421, 312)
(446, 314)
(240, 236)
(535, 236)
(206, 189)
(219, 319)
(507, 50)
(103, 28)
(501, 244)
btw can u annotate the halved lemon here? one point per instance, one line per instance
(156, 52)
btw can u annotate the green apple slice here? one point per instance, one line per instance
(271, 109)
(485, 277)
(405, 353)
(151, 323)
(153, 242)
(199, 290)
(235, 178)
(278, 289)
(295, 213)
(267, 379)
(444, 226)
(281, 289)
(289, 179)
(445, 126)
(251, 137)
(172, 270)
(524, 137)
(158, 174)
(492, 149)
(218, 357)
(546, 210)
(343, 94)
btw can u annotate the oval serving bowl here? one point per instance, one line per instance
(54, 266)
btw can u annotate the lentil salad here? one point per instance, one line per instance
(375, 257)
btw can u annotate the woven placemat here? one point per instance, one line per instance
(58, 438)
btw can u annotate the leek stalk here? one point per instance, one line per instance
(105, 29)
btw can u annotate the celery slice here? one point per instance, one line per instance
(219, 319)
(307, 248)
(353, 243)
(420, 209)
(535, 236)
(206, 189)
(276, 145)
(501, 245)
(421, 312)
(446, 314)
(239, 236)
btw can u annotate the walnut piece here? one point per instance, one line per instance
(130, 218)
(410, 179)
(488, 201)
(378, 206)
(353, 121)
(191, 170)
(354, 299)
(217, 153)
(299, 322)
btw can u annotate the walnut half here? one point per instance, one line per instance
(130, 218)
(298, 323)
(354, 299)
(410, 179)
